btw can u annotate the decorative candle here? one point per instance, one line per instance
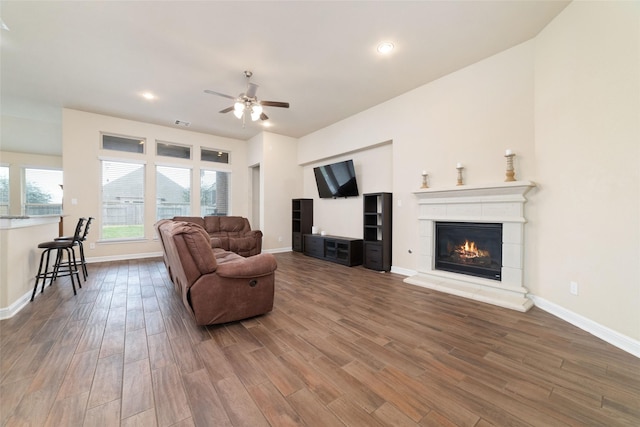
(508, 152)
(459, 165)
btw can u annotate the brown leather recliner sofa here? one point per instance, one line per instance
(216, 286)
(231, 233)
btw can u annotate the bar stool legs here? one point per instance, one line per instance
(61, 266)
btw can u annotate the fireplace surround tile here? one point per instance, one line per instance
(512, 255)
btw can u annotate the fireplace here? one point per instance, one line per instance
(452, 220)
(469, 248)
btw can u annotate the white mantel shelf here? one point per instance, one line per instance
(490, 191)
(496, 203)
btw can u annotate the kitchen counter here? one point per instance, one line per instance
(20, 256)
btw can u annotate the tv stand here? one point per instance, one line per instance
(342, 250)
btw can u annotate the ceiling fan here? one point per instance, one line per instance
(247, 103)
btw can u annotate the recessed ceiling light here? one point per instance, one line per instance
(385, 47)
(149, 96)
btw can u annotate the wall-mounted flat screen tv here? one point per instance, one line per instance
(336, 180)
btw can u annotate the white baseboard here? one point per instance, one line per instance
(278, 250)
(614, 338)
(403, 271)
(13, 309)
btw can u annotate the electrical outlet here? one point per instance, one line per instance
(280, 239)
(92, 245)
(573, 288)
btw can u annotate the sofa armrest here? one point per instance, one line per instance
(258, 265)
(256, 234)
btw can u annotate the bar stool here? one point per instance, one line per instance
(79, 242)
(61, 267)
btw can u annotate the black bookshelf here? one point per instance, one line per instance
(301, 222)
(377, 222)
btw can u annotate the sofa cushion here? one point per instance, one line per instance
(256, 266)
(234, 224)
(199, 245)
(194, 219)
(211, 224)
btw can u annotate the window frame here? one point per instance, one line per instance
(23, 191)
(101, 219)
(214, 150)
(142, 142)
(8, 210)
(190, 168)
(229, 174)
(173, 144)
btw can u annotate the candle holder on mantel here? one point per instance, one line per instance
(511, 173)
(424, 180)
(459, 168)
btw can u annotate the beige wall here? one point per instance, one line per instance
(587, 152)
(374, 173)
(470, 116)
(17, 162)
(280, 179)
(567, 103)
(81, 163)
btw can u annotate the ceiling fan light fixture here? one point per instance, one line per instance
(256, 111)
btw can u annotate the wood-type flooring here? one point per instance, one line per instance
(342, 347)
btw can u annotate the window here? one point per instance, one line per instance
(214, 192)
(4, 190)
(173, 192)
(42, 192)
(122, 143)
(214, 156)
(122, 200)
(173, 150)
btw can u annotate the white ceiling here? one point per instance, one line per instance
(99, 56)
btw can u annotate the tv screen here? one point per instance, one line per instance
(336, 180)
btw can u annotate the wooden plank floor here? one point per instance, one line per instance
(343, 346)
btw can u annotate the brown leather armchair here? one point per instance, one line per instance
(216, 286)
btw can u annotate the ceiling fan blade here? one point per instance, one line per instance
(219, 94)
(274, 104)
(263, 116)
(251, 90)
(226, 110)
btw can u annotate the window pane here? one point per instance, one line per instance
(119, 143)
(173, 192)
(42, 192)
(214, 193)
(122, 200)
(173, 150)
(214, 156)
(4, 190)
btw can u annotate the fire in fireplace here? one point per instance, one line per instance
(469, 248)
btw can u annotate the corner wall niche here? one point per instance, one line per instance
(501, 203)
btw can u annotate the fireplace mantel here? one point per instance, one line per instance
(494, 203)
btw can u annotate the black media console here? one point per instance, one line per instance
(342, 250)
